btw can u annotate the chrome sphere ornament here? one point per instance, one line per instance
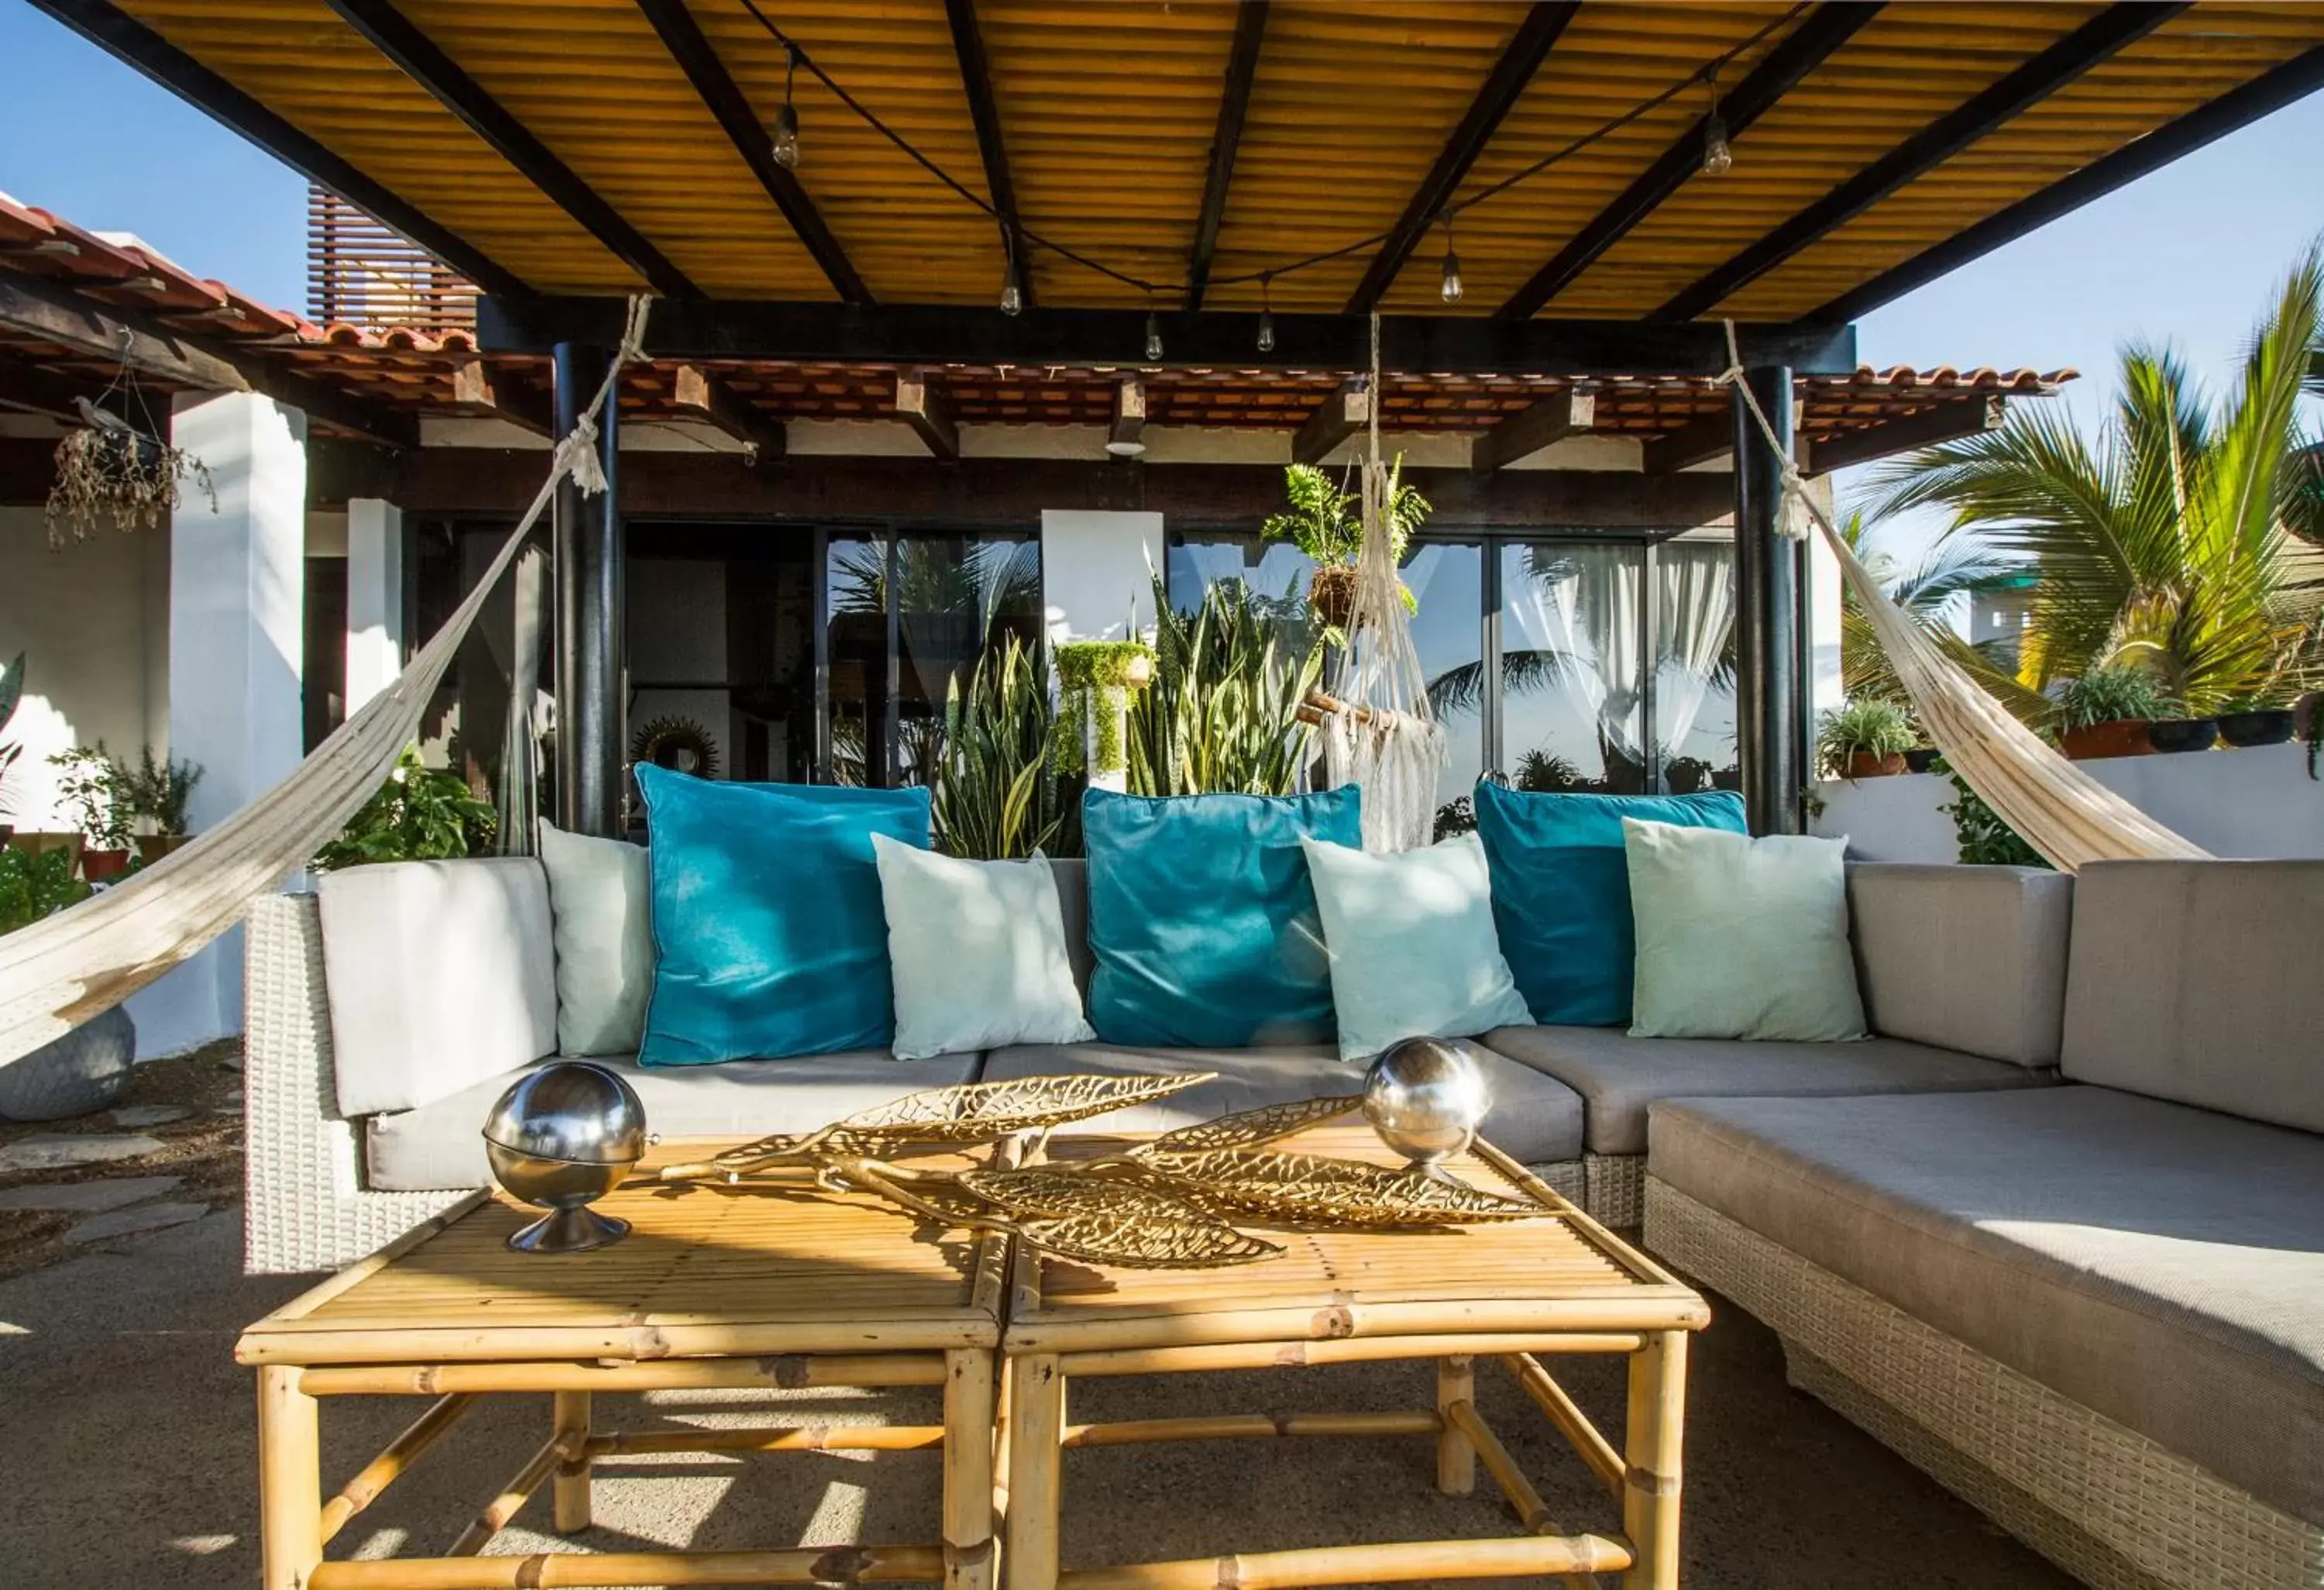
(563, 1137)
(1425, 1097)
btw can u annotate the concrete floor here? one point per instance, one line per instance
(126, 1458)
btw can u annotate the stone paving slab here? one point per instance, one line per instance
(88, 1197)
(151, 1114)
(129, 1222)
(62, 1151)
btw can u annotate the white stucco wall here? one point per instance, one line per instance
(1096, 569)
(2233, 803)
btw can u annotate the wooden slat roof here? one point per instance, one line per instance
(1108, 112)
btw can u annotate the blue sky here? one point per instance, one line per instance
(2189, 253)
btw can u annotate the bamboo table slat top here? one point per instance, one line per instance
(772, 1266)
(1562, 1273)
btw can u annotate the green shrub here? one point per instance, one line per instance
(1870, 726)
(35, 886)
(420, 814)
(1983, 839)
(1223, 711)
(996, 795)
(2111, 694)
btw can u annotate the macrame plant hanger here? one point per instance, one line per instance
(1378, 731)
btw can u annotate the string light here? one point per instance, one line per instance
(1266, 316)
(1448, 286)
(1012, 285)
(787, 118)
(1716, 155)
(1153, 337)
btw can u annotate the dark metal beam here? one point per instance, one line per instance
(1548, 420)
(591, 582)
(976, 78)
(1698, 442)
(1770, 688)
(698, 58)
(701, 395)
(2269, 92)
(1944, 422)
(139, 46)
(1527, 49)
(1998, 105)
(41, 309)
(936, 334)
(926, 409)
(479, 390)
(1234, 101)
(424, 62)
(1128, 431)
(1800, 53)
(1337, 418)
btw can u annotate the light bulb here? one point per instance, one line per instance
(1716, 155)
(1153, 337)
(786, 136)
(1449, 287)
(1267, 331)
(1012, 292)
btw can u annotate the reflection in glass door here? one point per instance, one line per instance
(1573, 675)
(855, 636)
(1695, 664)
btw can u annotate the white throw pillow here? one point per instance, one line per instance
(600, 897)
(1740, 938)
(1413, 947)
(977, 949)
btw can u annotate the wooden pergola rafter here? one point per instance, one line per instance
(1234, 105)
(992, 147)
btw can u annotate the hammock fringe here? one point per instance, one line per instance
(63, 970)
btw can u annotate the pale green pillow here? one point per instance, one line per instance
(1740, 938)
(600, 909)
(1413, 949)
(977, 949)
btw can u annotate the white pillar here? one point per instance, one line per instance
(1096, 569)
(375, 597)
(238, 601)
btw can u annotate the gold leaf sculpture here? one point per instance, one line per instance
(1169, 1203)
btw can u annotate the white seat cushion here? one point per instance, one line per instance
(442, 1144)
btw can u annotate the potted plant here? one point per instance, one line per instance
(96, 788)
(158, 792)
(1326, 523)
(2106, 712)
(2260, 718)
(85, 1070)
(1091, 735)
(1684, 775)
(1865, 739)
(420, 814)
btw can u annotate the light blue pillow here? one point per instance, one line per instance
(1414, 953)
(1742, 938)
(767, 916)
(1562, 896)
(978, 950)
(1203, 920)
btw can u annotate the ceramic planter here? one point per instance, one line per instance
(2122, 736)
(2183, 733)
(103, 867)
(1873, 765)
(2267, 726)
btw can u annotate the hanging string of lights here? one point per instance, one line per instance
(1718, 157)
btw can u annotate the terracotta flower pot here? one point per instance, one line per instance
(102, 866)
(2183, 733)
(1874, 765)
(2267, 726)
(152, 847)
(35, 843)
(2121, 736)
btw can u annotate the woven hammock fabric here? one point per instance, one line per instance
(60, 971)
(2065, 813)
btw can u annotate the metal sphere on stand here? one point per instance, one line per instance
(1425, 1097)
(563, 1137)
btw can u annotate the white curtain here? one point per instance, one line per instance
(1694, 614)
(1578, 608)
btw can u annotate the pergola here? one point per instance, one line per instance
(1146, 184)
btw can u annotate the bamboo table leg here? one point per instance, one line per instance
(569, 1493)
(289, 1480)
(1456, 1459)
(1650, 1489)
(968, 1416)
(1036, 1431)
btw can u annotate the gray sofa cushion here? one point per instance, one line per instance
(2197, 981)
(1618, 1075)
(1533, 1120)
(2160, 1264)
(1972, 958)
(1072, 874)
(440, 1145)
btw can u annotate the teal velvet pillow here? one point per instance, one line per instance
(767, 916)
(1561, 891)
(1202, 919)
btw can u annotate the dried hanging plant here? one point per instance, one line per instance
(111, 471)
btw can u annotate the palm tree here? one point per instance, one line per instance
(2175, 542)
(1926, 589)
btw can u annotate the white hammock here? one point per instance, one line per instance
(2064, 812)
(60, 971)
(1379, 732)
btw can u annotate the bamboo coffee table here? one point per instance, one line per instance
(1515, 1293)
(715, 1287)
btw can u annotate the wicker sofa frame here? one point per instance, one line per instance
(2107, 1504)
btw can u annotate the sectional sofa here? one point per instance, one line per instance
(2056, 1232)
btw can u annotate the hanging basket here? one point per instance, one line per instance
(1331, 593)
